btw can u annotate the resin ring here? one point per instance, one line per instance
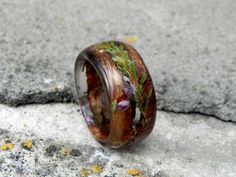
(116, 93)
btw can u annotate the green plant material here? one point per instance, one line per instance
(148, 97)
(128, 68)
(114, 106)
(143, 79)
(137, 97)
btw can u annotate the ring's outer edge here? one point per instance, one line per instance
(145, 130)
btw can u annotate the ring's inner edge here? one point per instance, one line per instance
(93, 99)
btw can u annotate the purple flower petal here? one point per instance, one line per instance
(84, 108)
(133, 88)
(123, 105)
(89, 120)
(129, 90)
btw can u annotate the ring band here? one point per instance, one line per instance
(116, 93)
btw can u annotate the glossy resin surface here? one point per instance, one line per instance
(116, 93)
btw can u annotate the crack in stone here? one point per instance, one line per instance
(64, 96)
(67, 96)
(195, 112)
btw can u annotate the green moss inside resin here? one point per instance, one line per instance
(128, 69)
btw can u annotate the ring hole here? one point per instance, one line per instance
(93, 100)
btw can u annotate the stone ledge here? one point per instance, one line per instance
(180, 145)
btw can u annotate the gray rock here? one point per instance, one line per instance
(181, 145)
(75, 152)
(188, 46)
(51, 150)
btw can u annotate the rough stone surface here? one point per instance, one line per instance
(181, 145)
(188, 46)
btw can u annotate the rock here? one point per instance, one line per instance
(181, 145)
(51, 150)
(188, 46)
(75, 152)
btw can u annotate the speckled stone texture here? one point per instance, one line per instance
(188, 46)
(180, 145)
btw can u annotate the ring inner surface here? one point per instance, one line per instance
(93, 100)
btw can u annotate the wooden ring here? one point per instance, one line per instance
(116, 93)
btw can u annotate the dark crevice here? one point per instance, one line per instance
(194, 113)
(64, 96)
(67, 96)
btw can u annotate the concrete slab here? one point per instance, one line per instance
(181, 145)
(189, 47)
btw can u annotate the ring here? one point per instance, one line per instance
(116, 93)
